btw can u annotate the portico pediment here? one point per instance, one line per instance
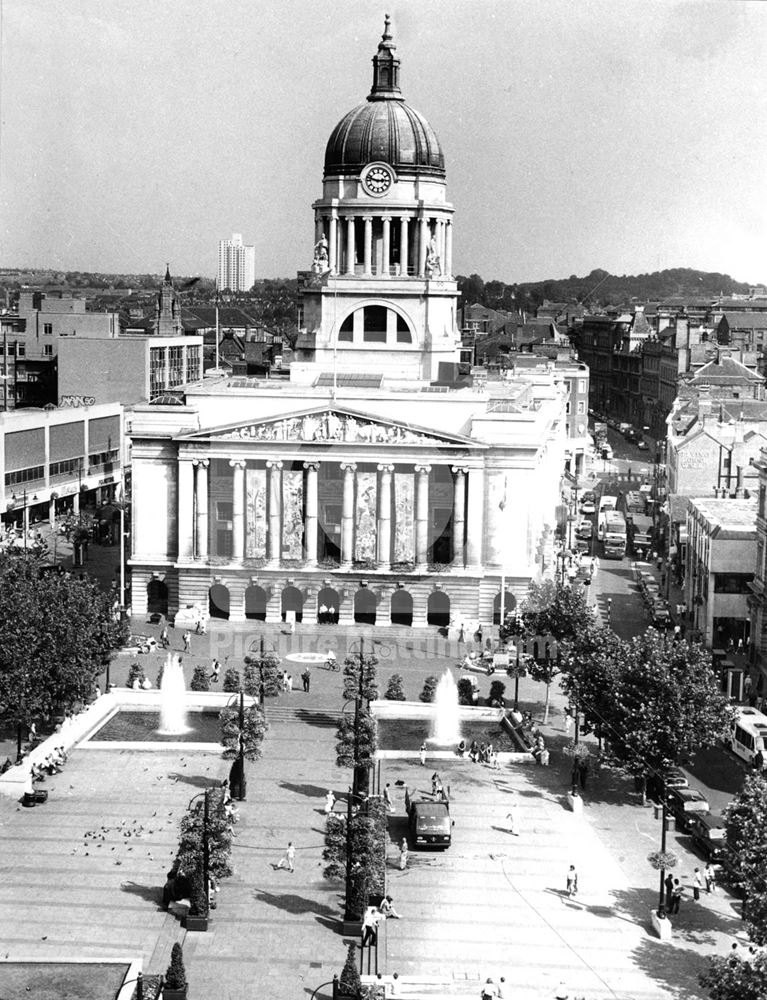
(331, 425)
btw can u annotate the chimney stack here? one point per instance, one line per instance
(704, 402)
(739, 483)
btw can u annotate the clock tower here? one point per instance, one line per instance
(380, 296)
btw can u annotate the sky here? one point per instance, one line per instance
(623, 135)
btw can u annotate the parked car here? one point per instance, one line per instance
(684, 803)
(709, 837)
(588, 507)
(584, 530)
(673, 777)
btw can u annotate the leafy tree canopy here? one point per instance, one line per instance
(736, 976)
(57, 634)
(252, 732)
(746, 824)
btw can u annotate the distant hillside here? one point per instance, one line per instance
(601, 288)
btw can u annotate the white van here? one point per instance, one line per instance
(607, 502)
(747, 735)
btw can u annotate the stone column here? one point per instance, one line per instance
(350, 244)
(275, 510)
(201, 506)
(368, 265)
(312, 506)
(52, 512)
(319, 227)
(476, 518)
(386, 244)
(448, 269)
(459, 515)
(76, 504)
(333, 245)
(403, 247)
(441, 244)
(238, 509)
(347, 514)
(423, 239)
(422, 515)
(383, 531)
(185, 509)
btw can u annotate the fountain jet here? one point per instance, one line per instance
(446, 725)
(173, 698)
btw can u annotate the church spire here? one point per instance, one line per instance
(385, 68)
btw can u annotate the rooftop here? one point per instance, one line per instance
(726, 514)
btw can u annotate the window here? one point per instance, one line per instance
(581, 407)
(581, 385)
(21, 349)
(224, 510)
(346, 333)
(66, 468)
(762, 494)
(48, 329)
(47, 350)
(375, 324)
(567, 408)
(732, 583)
(403, 331)
(31, 475)
(99, 461)
(192, 364)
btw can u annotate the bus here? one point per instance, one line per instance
(747, 735)
(612, 533)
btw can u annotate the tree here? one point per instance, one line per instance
(666, 704)
(219, 835)
(589, 664)
(251, 734)
(262, 668)
(232, 680)
(465, 691)
(497, 691)
(57, 635)
(200, 680)
(429, 689)
(736, 976)
(551, 611)
(175, 976)
(367, 663)
(135, 673)
(746, 824)
(350, 983)
(394, 690)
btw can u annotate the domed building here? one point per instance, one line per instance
(381, 484)
(381, 291)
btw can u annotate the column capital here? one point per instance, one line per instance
(459, 468)
(274, 463)
(349, 466)
(237, 463)
(423, 468)
(385, 468)
(312, 465)
(367, 218)
(203, 463)
(348, 216)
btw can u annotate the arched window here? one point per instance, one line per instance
(365, 606)
(401, 608)
(156, 598)
(218, 601)
(292, 600)
(255, 603)
(438, 609)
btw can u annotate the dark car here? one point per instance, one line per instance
(709, 837)
(673, 777)
(684, 803)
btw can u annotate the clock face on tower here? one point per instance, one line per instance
(377, 179)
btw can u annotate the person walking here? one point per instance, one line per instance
(572, 881)
(676, 896)
(306, 678)
(697, 884)
(164, 639)
(286, 861)
(215, 671)
(387, 798)
(330, 801)
(403, 854)
(568, 720)
(513, 817)
(669, 884)
(187, 639)
(422, 754)
(709, 877)
(489, 990)
(370, 921)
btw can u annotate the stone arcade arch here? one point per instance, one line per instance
(292, 600)
(330, 600)
(157, 597)
(401, 608)
(438, 609)
(255, 603)
(365, 606)
(509, 605)
(218, 601)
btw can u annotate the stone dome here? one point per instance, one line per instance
(384, 127)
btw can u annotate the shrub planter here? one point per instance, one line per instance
(196, 923)
(352, 928)
(168, 993)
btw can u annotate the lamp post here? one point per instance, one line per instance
(259, 646)
(609, 610)
(661, 889)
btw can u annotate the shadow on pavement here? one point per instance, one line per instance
(151, 893)
(674, 968)
(292, 903)
(197, 781)
(313, 791)
(324, 720)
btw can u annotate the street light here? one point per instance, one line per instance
(259, 646)
(609, 610)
